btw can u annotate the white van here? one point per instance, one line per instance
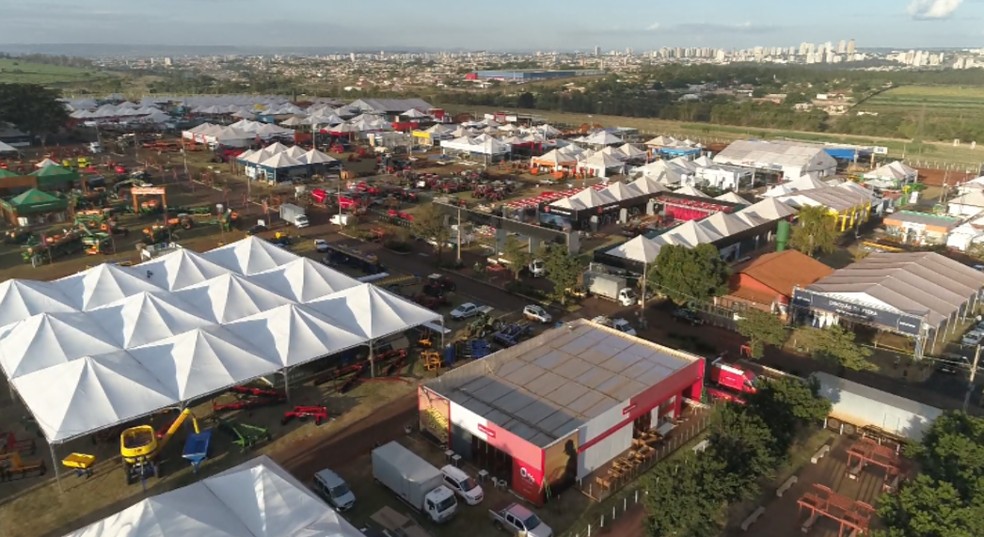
(463, 485)
(333, 488)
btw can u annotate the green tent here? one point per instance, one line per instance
(34, 202)
(7, 173)
(51, 177)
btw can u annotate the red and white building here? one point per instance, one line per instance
(558, 407)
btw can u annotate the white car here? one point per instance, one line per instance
(618, 324)
(334, 489)
(321, 245)
(537, 313)
(972, 338)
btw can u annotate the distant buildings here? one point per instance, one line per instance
(530, 75)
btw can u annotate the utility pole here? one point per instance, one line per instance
(458, 238)
(970, 381)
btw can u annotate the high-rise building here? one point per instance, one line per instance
(597, 50)
(850, 47)
(841, 46)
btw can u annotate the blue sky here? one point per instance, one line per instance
(498, 24)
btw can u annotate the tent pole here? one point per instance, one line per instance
(642, 298)
(286, 374)
(442, 333)
(54, 465)
(372, 361)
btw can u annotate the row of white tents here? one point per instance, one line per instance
(113, 343)
(714, 228)
(239, 134)
(277, 160)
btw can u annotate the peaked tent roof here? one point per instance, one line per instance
(317, 157)
(372, 311)
(82, 395)
(767, 210)
(255, 499)
(4, 173)
(647, 185)
(201, 361)
(621, 191)
(568, 203)
(145, 318)
(281, 160)
(7, 148)
(304, 280)
(631, 151)
(20, 299)
(249, 256)
(689, 234)
(724, 224)
(296, 334)
(640, 249)
(50, 339)
(591, 198)
(102, 285)
(731, 197)
(603, 138)
(179, 269)
(230, 297)
(689, 190)
(45, 163)
(296, 152)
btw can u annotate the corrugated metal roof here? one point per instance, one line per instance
(763, 154)
(546, 387)
(913, 282)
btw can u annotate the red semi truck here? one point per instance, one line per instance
(729, 381)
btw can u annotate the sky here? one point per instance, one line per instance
(495, 25)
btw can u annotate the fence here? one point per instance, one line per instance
(618, 501)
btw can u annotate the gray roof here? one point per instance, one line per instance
(761, 153)
(546, 387)
(864, 406)
(919, 283)
(393, 106)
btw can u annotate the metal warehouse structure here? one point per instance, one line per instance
(917, 294)
(560, 406)
(791, 159)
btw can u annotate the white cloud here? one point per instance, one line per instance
(933, 9)
(653, 26)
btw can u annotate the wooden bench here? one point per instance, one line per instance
(752, 518)
(701, 446)
(808, 525)
(786, 486)
(821, 453)
(605, 484)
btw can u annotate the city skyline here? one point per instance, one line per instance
(507, 25)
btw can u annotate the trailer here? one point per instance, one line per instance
(294, 214)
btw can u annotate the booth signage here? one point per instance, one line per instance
(900, 322)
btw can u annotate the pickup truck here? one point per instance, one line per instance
(518, 520)
(618, 324)
(468, 310)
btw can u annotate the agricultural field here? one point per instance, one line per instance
(15, 71)
(934, 98)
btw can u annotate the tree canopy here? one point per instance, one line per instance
(815, 231)
(761, 328)
(838, 345)
(429, 223)
(947, 499)
(563, 270)
(32, 108)
(788, 405)
(690, 274)
(517, 254)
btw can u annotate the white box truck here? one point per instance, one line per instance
(611, 287)
(414, 480)
(294, 214)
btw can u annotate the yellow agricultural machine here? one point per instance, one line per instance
(141, 447)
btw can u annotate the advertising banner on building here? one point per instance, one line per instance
(852, 311)
(435, 414)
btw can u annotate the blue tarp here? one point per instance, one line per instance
(846, 153)
(679, 152)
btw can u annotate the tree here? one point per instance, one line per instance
(563, 270)
(787, 404)
(743, 441)
(526, 100)
(953, 451)
(815, 231)
(761, 328)
(690, 274)
(838, 345)
(926, 507)
(32, 108)
(517, 254)
(429, 223)
(682, 497)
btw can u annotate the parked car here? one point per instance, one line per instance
(320, 245)
(688, 316)
(517, 519)
(334, 489)
(537, 313)
(468, 310)
(257, 229)
(952, 363)
(972, 338)
(463, 485)
(618, 324)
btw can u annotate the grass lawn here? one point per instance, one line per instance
(16, 71)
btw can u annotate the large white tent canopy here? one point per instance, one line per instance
(255, 499)
(114, 343)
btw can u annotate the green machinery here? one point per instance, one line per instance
(244, 435)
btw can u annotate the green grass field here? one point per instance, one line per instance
(15, 71)
(949, 101)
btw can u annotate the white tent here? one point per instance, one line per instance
(631, 152)
(249, 256)
(600, 163)
(317, 157)
(45, 163)
(70, 367)
(255, 499)
(548, 131)
(6, 148)
(864, 406)
(621, 191)
(647, 185)
(275, 147)
(569, 204)
(413, 113)
(554, 158)
(690, 191)
(731, 197)
(894, 173)
(603, 138)
(295, 152)
(639, 249)
(723, 224)
(292, 121)
(295, 334)
(591, 198)
(304, 280)
(765, 211)
(689, 234)
(377, 313)
(201, 361)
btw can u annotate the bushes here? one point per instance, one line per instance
(521, 288)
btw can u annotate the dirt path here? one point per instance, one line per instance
(630, 524)
(305, 457)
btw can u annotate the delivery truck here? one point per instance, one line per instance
(294, 214)
(418, 483)
(611, 287)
